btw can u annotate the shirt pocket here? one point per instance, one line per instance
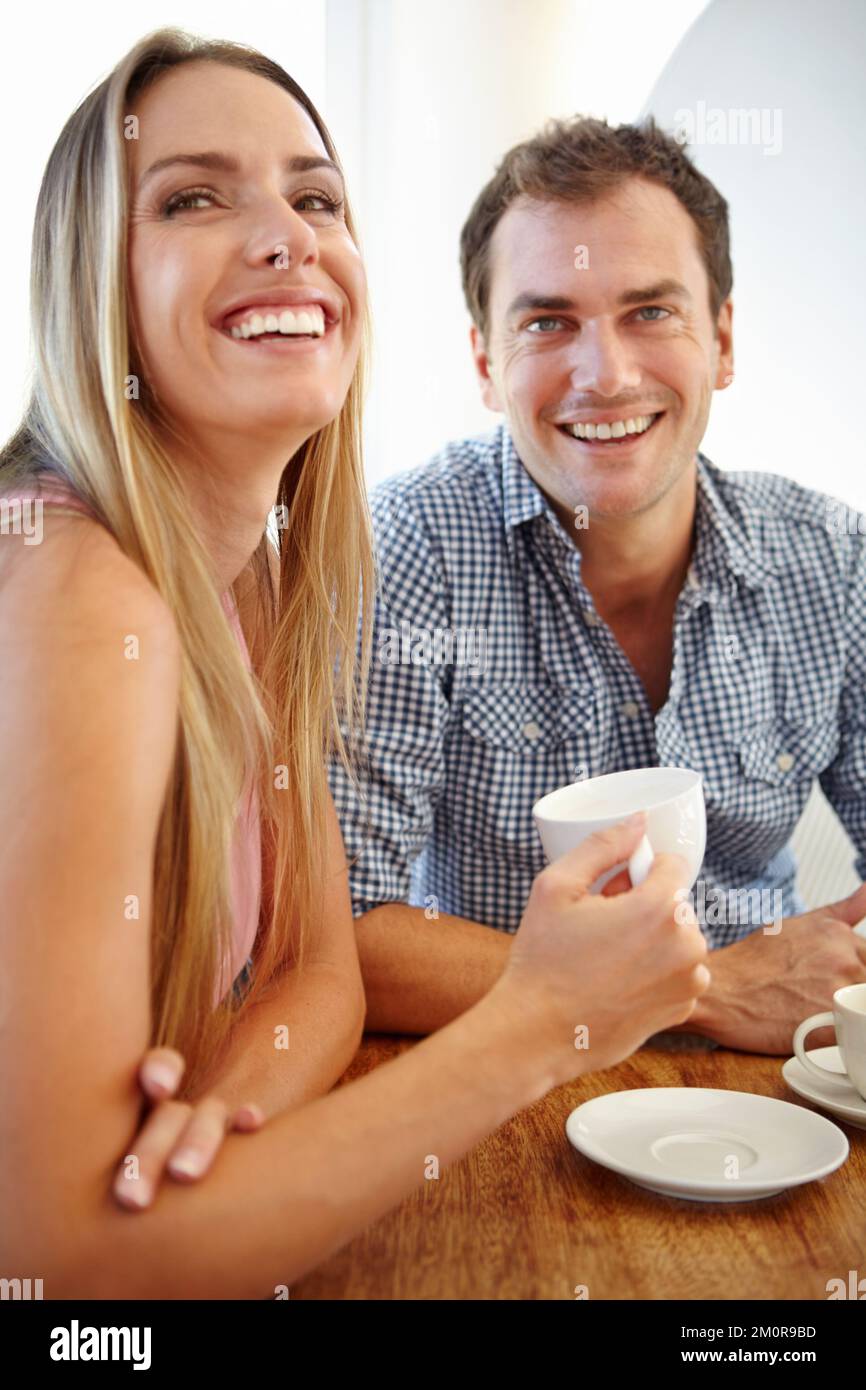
(512, 744)
(757, 785)
(788, 753)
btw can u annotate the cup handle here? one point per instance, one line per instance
(640, 862)
(831, 1078)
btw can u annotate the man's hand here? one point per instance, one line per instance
(766, 984)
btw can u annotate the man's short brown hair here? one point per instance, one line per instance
(576, 161)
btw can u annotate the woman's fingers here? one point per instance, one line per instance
(141, 1170)
(620, 883)
(160, 1072)
(248, 1118)
(196, 1148)
(181, 1140)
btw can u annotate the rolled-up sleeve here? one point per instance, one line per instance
(387, 818)
(844, 781)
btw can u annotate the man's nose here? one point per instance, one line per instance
(603, 362)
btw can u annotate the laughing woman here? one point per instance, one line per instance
(172, 873)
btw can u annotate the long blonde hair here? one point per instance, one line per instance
(279, 724)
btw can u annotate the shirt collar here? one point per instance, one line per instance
(726, 539)
(725, 542)
(522, 499)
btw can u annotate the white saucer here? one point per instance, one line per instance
(681, 1140)
(847, 1105)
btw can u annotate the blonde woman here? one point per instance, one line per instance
(173, 878)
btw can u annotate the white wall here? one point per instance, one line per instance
(423, 100)
(798, 219)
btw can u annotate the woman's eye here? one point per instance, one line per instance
(184, 200)
(533, 326)
(307, 202)
(323, 201)
(654, 309)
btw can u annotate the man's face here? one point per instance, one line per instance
(624, 333)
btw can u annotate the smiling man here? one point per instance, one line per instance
(638, 605)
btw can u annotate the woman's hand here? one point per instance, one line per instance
(602, 972)
(176, 1137)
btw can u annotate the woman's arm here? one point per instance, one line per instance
(88, 722)
(86, 743)
(278, 1202)
(318, 1010)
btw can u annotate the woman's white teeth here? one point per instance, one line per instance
(616, 429)
(305, 321)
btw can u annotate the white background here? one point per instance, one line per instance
(423, 99)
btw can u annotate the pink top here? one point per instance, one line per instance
(246, 854)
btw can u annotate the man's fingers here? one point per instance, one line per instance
(143, 1167)
(195, 1151)
(851, 909)
(160, 1072)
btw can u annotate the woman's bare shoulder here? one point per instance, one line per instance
(74, 574)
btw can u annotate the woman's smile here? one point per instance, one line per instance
(293, 319)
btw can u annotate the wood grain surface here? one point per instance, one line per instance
(524, 1216)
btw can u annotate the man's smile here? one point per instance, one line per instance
(614, 435)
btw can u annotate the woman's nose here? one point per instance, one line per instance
(281, 235)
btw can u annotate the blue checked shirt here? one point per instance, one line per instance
(495, 681)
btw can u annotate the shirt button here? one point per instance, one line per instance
(590, 618)
(630, 709)
(531, 730)
(784, 762)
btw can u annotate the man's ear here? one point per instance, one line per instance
(725, 338)
(489, 393)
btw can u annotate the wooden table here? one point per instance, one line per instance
(524, 1216)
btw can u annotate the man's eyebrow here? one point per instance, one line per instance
(227, 164)
(539, 301)
(663, 289)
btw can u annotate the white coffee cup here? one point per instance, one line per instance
(849, 1019)
(672, 798)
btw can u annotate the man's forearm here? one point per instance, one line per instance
(294, 1045)
(421, 973)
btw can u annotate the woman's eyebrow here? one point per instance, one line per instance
(227, 164)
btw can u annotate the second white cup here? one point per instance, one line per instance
(849, 1019)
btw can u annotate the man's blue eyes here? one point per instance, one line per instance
(647, 309)
(537, 321)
